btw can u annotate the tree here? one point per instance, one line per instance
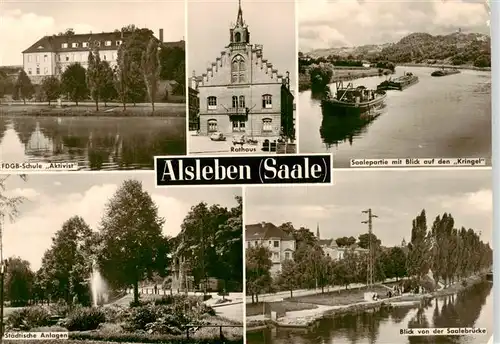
(18, 281)
(258, 270)
(95, 77)
(364, 241)
(108, 90)
(345, 241)
(288, 279)
(73, 82)
(131, 237)
(418, 256)
(151, 69)
(228, 243)
(51, 88)
(24, 89)
(321, 74)
(396, 263)
(59, 264)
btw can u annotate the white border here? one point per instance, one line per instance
(244, 300)
(186, 72)
(297, 94)
(495, 158)
(173, 157)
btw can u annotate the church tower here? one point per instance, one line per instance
(317, 230)
(403, 243)
(239, 34)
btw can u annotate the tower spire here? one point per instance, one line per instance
(317, 230)
(239, 19)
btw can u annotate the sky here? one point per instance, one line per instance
(271, 23)
(396, 197)
(22, 23)
(347, 23)
(51, 199)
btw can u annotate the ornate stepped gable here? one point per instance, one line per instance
(251, 53)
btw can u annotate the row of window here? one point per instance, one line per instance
(86, 44)
(72, 57)
(267, 126)
(45, 71)
(267, 102)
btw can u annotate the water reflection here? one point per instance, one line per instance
(472, 308)
(337, 129)
(95, 143)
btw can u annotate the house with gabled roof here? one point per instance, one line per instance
(280, 243)
(243, 93)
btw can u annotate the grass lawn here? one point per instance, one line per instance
(341, 297)
(88, 109)
(287, 306)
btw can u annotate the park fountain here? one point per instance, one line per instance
(98, 286)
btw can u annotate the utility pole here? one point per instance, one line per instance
(371, 258)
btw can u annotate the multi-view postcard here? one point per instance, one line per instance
(380, 80)
(246, 172)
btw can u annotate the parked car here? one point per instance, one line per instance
(217, 136)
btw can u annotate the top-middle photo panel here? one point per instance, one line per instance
(242, 82)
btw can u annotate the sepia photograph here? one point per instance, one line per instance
(242, 77)
(109, 258)
(395, 79)
(371, 258)
(103, 87)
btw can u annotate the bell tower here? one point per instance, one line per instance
(239, 34)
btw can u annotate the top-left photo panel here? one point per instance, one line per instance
(91, 86)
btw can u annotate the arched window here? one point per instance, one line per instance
(242, 102)
(237, 37)
(212, 102)
(267, 125)
(238, 69)
(235, 101)
(212, 125)
(267, 101)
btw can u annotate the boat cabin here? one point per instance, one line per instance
(354, 95)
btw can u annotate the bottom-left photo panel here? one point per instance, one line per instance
(108, 257)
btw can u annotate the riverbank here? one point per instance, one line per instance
(343, 74)
(89, 110)
(307, 317)
(438, 66)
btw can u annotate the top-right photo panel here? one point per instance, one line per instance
(386, 83)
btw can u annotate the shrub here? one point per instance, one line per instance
(84, 319)
(148, 338)
(141, 316)
(28, 318)
(60, 308)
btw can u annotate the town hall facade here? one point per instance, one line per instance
(242, 93)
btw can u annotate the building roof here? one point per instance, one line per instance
(54, 42)
(265, 230)
(328, 242)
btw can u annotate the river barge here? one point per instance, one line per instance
(445, 72)
(352, 100)
(399, 83)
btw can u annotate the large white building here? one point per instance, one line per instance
(51, 55)
(280, 243)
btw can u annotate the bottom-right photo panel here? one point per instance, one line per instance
(378, 257)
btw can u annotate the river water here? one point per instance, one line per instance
(471, 308)
(438, 117)
(96, 143)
